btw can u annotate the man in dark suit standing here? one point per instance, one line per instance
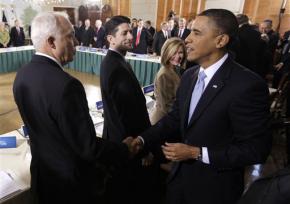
(219, 119)
(125, 113)
(69, 163)
(182, 32)
(160, 38)
(251, 51)
(141, 38)
(87, 35)
(17, 36)
(99, 36)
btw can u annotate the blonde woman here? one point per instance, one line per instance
(4, 36)
(173, 55)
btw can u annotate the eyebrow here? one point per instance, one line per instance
(195, 30)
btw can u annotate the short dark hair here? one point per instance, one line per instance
(148, 22)
(242, 19)
(224, 20)
(113, 23)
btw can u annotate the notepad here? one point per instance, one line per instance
(8, 185)
(8, 142)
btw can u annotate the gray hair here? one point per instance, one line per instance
(45, 25)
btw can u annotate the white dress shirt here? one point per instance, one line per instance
(210, 71)
(50, 57)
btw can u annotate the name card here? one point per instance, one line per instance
(148, 89)
(8, 142)
(99, 105)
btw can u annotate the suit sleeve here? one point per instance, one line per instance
(251, 139)
(78, 129)
(166, 130)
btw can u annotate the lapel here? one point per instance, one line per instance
(185, 107)
(215, 85)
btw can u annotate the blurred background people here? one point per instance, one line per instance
(99, 35)
(4, 36)
(17, 36)
(141, 38)
(87, 38)
(182, 32)
(159, 38)
(79, 29)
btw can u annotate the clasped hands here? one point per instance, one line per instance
(172, 151)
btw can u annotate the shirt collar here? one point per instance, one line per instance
(50, 57)
(117, 52)
(212, 69)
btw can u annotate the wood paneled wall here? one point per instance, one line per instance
(183, 8)
(259, 10)
(119, 7)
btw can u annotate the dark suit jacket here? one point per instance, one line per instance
(151, 31)
(231, 120)
(125, 114)
(159, 40)
(144, 42)
(17, 39)
(251, 50)
(88, 37)
(124, 104)
(185, 33)
(69, 163)
(100, 35)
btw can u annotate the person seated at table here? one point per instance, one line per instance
(173, 57)
(17, 35)
(4, 36)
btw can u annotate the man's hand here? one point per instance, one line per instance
(148, 159)
(279, 66)
(133, 145)
(180, 151)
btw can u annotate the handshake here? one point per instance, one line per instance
(134, 145)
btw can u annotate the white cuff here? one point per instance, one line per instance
(205, 158)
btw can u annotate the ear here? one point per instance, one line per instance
(222, 40)
(51, 41)
(110, 39)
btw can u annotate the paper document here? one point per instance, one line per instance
(7, 185)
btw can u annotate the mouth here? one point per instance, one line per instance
(189, 49)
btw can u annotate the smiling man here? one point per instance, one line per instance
(220, 118)
(125, 113)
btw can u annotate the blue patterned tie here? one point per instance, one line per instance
(196, 93)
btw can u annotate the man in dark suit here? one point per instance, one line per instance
(99, 36)
(149, 27)
(87, 35)
(141, 38)
(69, 163)
(269, 35)
(125, 114)
(17, 36)
(251, 50)
(79, 29)
(182, 32)
(160, 38)
(219, 119)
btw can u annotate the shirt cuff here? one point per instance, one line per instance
(141, 138)
(205, 158)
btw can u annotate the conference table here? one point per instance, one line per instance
(86, 60)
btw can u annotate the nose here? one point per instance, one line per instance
(187, 39)
(130, 36)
